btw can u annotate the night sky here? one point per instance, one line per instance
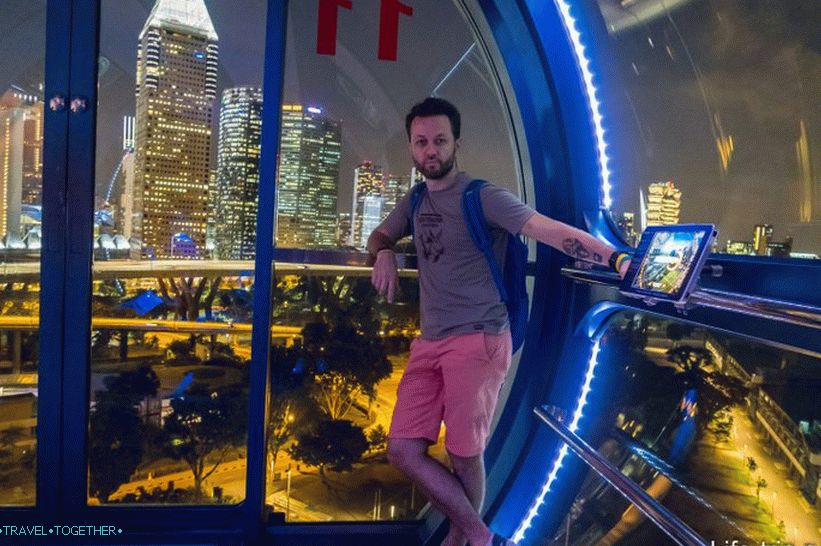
(746, 70)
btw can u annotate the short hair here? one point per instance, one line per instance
(433, 106)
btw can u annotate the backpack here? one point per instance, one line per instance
(510, 280)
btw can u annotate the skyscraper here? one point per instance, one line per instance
(396, 186)
(372, 214)
(762, 235)
(21, 163)
(343, 229)
(626, 224)
(308, 178)
(368, 180)
(806, 178)
(663, 204)
(237, 181)
(176, 84)
(125, 220)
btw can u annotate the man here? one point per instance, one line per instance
(457, 365)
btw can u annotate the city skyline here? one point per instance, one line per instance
(760, 194)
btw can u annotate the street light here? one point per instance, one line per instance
(288, 495)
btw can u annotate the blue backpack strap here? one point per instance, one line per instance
(416, 197)
(479, 231)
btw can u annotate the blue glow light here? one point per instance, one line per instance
(581, 402)
(592, 100)
(314, 110)
(199, 55)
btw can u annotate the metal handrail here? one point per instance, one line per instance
(663, 518)
(788, 312)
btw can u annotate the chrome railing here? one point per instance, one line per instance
(663, 518)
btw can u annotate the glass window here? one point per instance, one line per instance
(22, 25)
(724, 431)
(713, 116)
(177, 180)
(353, 71)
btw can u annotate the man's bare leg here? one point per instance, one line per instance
(471, 472)
(443, 489)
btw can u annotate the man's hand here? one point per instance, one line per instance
(384, 276)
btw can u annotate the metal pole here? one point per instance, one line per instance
(288, 496)
(665, 520)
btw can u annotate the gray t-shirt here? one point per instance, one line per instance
(457, 292)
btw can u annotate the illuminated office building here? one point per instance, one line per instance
(308, 178)
(368, 179)
(662, 204)
(762, 235)
(372, 214)
(396, 186)
(125, 220)
(176, 84)
(626, 225)
(343, 229)
(806, 178)
(21, 163)
(739, 247)
(237, 179)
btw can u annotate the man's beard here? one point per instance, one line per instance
(436, 174)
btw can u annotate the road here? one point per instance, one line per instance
(781, 496)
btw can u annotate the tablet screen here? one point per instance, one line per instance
(667, 260)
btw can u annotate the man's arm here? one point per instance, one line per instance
(384, 275)
(379, 240)
(574, 242)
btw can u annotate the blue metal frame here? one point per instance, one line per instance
(264, 267)
(558, 133)
(52, 262)
(79, 227)
(139, 523)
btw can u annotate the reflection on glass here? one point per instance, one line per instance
(21, 183)
(344, 160)
(712, 111)
(725, 432)
(177, 184)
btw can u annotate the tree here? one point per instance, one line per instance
(377, 438)
(206, 421)
(182, 352)
(335, 445)
(722, 429)
(188, 292)
(117, 433)
(675, 332)
(716, 391)
(759, 485)
(10, 454)
(752, 465)
(290, 408)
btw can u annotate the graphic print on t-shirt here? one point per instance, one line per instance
(430, 235)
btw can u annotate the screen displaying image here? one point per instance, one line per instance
(669, 259)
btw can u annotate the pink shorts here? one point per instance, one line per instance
(456, 380)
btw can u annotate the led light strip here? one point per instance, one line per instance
(592, 101)
(557, 463)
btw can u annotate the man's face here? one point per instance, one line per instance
(432, 146)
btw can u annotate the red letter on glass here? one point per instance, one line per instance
(326, 25)
(389, 27)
